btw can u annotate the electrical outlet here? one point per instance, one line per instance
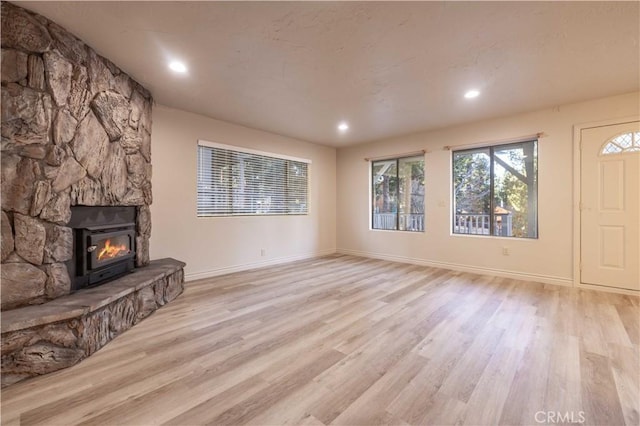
(505, 251)
(263, 252)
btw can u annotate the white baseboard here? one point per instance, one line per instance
(192, 276)
(524, 276)
(608, 289)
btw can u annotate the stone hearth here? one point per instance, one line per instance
(40, 339)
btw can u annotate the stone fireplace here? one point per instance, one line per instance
(76, 131)
(76, 149)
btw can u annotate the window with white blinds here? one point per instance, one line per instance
(235, 181)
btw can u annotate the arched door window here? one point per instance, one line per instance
(623, 143)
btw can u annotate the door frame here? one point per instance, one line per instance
(577, 191)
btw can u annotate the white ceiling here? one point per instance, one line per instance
(388, 68)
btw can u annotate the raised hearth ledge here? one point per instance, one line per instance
(41, 339)
(89, 300)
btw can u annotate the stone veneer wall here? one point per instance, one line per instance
(76, 130)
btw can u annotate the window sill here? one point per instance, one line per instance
(398, 230)
(493, 237)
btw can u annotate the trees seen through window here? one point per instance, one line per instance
(398, 194)
(495, 190)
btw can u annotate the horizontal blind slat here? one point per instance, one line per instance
(240, 183)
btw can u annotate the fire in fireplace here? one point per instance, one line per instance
(104, 241)
(107, 251)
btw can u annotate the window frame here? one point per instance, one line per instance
(372, 195)
(492, 205)
(232, 149)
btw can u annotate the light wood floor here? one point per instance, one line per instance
(347, 340)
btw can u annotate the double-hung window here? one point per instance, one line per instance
(495, 190)
(398, 194)
(236, 181)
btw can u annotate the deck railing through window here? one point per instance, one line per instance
(478, 224)
(408, 222)
(474, 224)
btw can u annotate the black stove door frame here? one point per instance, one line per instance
(98, 218)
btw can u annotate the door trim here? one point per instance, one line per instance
(577, 170)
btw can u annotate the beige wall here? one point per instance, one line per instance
(212, 246)
(547, 259)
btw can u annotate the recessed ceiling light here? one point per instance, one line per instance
(343, 127)
(472, 94)
(178, 66)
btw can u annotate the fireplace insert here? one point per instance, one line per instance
(104, 244)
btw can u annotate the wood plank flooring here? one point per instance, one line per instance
(345, 340)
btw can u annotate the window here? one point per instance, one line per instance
(233, 181)
(626, 142)
(398, 194)
(495, 190)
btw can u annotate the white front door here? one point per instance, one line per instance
(610, 206)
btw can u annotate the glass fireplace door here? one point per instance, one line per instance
(108, 248)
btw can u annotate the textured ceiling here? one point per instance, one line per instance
(388, 68)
